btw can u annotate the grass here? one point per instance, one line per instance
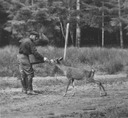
(114, 112)
(8, 83)
(106, 60)
(110, 111)
(8, 60)
(110, 61)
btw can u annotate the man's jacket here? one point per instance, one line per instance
(28, 48)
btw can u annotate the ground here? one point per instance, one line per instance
(50, 103)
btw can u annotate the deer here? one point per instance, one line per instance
(73, 73)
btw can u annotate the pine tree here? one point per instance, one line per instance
(119, 13)
(95, 14)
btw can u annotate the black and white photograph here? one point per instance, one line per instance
(63, 58)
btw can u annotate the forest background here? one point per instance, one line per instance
(91, 22)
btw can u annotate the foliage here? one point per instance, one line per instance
(46, 16)
(103, 60)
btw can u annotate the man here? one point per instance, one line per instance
(27, 47)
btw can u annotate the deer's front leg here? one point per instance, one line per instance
(105, 93)
(69, 81)
(101, 87)
(73, 85)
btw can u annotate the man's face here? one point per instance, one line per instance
(34, 38)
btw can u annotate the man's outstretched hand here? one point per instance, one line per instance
(46, 59)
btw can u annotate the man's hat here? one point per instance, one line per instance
(34, 33)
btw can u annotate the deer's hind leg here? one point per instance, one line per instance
(73, 85)
(101, 87)
(72, 82)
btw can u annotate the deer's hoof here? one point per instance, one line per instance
(105, 94)
(101, 95)
(64, 95)
(73, 94)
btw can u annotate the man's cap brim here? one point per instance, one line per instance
(34, 33)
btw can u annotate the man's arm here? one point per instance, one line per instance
(36, 54)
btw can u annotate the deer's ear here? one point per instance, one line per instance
(58, 62)
(60, 59)
(92, 72)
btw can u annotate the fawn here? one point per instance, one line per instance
(77, 74)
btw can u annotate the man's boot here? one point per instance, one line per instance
(23, 82)
(30, 87)
(24, 89)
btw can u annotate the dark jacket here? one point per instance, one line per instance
(27, 47)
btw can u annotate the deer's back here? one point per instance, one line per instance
(75, 73)
(80, 74)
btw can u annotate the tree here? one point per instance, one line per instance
(124, 17)
(119, 17)
(77, 25)
(3, 19)
(26, 16)
(51, 17)
(120, 24)
(96, 14)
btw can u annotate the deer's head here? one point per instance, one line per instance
(57, 65)
(92, 72)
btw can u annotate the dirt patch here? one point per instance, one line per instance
(50, 103)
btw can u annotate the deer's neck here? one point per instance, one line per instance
(63, 68)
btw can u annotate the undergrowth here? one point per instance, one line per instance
(110, 61)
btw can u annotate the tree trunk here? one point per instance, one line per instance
(66, 40)
(62, 29)
(71, 36)
(67, 31)
(120, 25)
(103, 24)
(121, 36)
(32, 2)
(77, 25)
(0, 36)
